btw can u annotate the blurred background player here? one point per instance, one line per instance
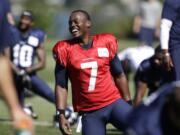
(90, 62)
(9, 15)
(6, 83)
(132, 57)
(147, 22)
(159, 114)
(29, 47)
(150, 75)
(170, 36)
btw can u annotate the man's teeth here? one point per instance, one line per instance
(75, 30)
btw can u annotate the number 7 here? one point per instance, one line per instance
(92, 82)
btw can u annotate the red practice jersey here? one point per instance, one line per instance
(89, 71)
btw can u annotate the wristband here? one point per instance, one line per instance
(60, 111)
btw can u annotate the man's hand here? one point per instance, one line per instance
(29, 70)
(22, 121)
(167, 60)
(64, 125)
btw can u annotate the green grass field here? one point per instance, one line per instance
(44, 109)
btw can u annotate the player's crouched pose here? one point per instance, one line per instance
(99, 86)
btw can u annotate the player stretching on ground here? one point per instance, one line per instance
(151, 74)
(159, 114)
(30, 46)
(170, 35)
(99, 86)
(6, 83)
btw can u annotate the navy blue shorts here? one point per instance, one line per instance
(94, 122)
(146, 35)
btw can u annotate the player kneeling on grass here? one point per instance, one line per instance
(99, 87)
(150, 75)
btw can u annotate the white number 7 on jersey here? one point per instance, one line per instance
(93, 65)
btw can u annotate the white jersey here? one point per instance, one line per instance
(136, 55)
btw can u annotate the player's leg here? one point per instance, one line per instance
(150, 36)
(42, 89)
(146, 35)
(20, 89)
(119, 114)
(94, 123)
(176, 62)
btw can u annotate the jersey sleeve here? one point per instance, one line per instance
(41, 36)
(112, 45)
(60, 54)
(61, 76)
(170, 10)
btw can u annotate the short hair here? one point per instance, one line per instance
(158, 49)
(84, 12)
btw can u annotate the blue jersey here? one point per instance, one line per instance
(146, 118)
(153, 76)
(5, 33)
(171, 11)
(24, 51)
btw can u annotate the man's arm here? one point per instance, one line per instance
(61, 87)
(120, 78)
(141, 88)
(61, 92)
(157, 28)
(122, 84)
(10, 18)
(8, 90)
(126, 67)
(137, 24)
(41, 60)
(61, 103)
(9, 15)
(169, 15)
(164, 42)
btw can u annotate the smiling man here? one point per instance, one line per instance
(99, 86)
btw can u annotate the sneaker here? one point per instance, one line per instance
(30, 111)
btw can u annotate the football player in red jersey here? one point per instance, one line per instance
(99, 86)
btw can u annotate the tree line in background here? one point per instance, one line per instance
(107, 15)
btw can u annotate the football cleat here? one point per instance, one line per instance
(28, 109)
